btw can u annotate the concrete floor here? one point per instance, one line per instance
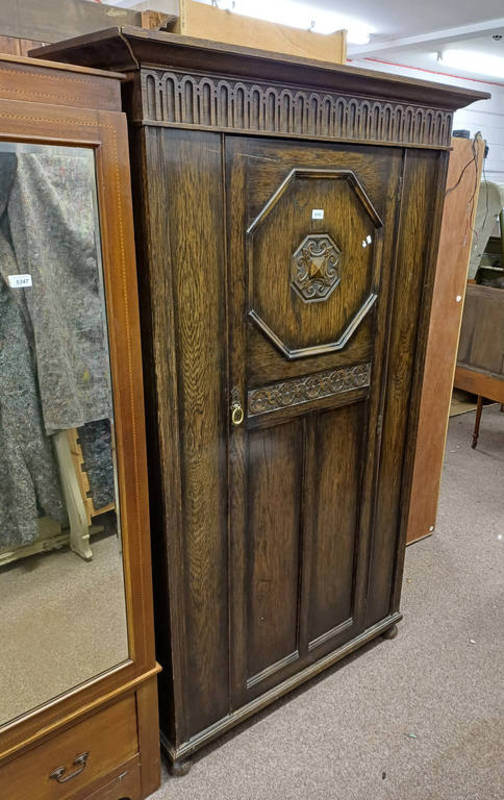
(417, 718)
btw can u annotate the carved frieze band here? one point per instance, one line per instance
(310, 387)
(210, 101)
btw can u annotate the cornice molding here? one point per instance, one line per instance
(254, 107)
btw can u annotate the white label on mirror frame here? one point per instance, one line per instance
(317, 213)
(19, 281)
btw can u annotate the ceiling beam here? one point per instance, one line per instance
(430, 38)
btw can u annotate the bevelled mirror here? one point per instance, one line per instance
(62, 597)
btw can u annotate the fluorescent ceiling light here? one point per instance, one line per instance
(473, 61)
(300, 15)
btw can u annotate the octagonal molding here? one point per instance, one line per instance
(317, 276)
(335, 174)
(314, 268)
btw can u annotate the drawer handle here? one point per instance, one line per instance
(59, 773)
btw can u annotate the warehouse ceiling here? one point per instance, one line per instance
(427, 35)
(424, 35)
(392, 19)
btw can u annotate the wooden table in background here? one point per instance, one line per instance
(480, 358)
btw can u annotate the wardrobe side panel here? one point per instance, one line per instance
(419, 222)
(186, 365)
(162, 480)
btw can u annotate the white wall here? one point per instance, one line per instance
(486, 116)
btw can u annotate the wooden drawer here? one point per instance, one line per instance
(125, 786)
(109, 738)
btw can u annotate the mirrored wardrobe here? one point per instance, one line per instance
(78, 703)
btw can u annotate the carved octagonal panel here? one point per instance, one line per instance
(314, 267)
(294, 267)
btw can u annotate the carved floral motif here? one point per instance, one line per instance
(314, 273)
(310, 387)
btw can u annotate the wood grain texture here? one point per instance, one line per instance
(266, 362)
(182, 99)
(311, 387)
(148, 736)
(414, 267)
(446, 314)
(223, 226)
(126, 785)
(482, 332)
(30, 773)
(299, 325)
(275, 465)
(258, 182)
(336, 478)
(38, 81)
(358, 267)
(127, 47)
(17, 47)
(207, 22)
(485, 384)
(54, 21)
(183, 296)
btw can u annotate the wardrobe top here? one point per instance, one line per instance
(129, 48)
(40, 81)
(7, 59)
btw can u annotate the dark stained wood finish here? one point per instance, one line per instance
(336, 475)
(278, 543)
(275, 464)
(266, 362)
(414, 274)
(261, 280)
(182, 290)
(89, 115)
(128, 47)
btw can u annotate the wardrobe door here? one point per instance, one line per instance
(310, 249)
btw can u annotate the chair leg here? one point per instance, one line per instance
(477, 421)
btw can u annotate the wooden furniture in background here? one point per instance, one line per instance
(83, 479)
(104, 730)
(447, 301)
(17, 47)
(480, 358)
(53, 20)
(79, 504)
(209, 22)
(287, 217)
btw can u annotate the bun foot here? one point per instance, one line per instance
(391, 633)
(180, 767)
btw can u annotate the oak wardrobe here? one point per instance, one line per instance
(78, 676)
(287, 219)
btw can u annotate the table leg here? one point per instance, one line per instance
(477, 421)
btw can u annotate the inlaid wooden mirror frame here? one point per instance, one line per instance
(113, 715)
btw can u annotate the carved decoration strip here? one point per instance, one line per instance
(210, 101)
(310, 387)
